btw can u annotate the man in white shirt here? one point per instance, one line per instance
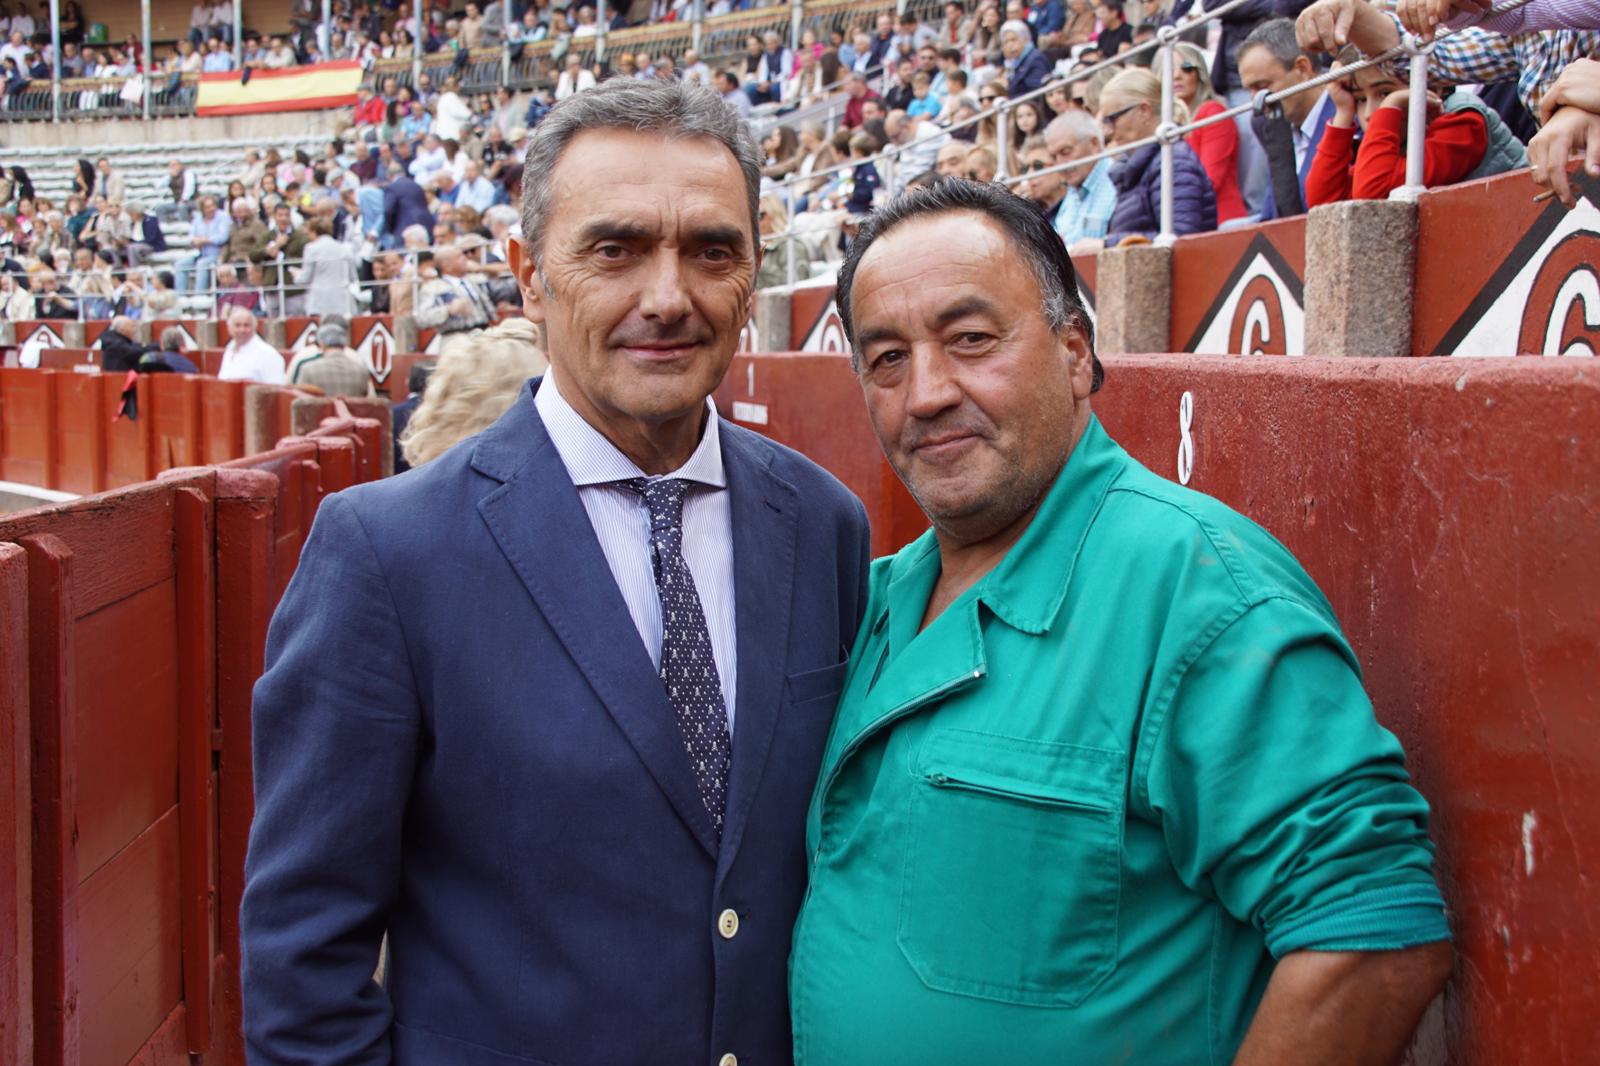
(575, 78)
(430, 159)
(476, 191)
(452, 113)
(247, 357)
(16, 48)
(695, 72)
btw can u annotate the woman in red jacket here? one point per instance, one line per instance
(1218, 144)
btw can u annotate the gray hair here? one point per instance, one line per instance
(669, 108)
(501, 213)
(1278, 38)
(332, 335)
(172, 339)
(1019, 28)
(1076, 126)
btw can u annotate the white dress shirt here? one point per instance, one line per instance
(621, 522)
(256, 361)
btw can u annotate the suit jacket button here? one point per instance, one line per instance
(730, 1059)
(728, 926)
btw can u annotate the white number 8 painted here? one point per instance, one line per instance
(1185, 441)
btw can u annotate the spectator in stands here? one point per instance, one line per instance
(171, 354)
(1270, 59)
(472, 385)
(52, 235)
(430, 159)
(331, 368)
(952, 159)
(816, 154)
(208, 232)
(1027, 68)
(1473, 55)
(400, 416)
(279, 55)
(783, 154)
(981, 165)
(108, 182)
(1571, 115)
(162, 298)
(1465, 139)
(16, 302)
(329, 272)
(726, 84)
(247, 357)
(232, 291)
(1115, 32)
(144, 235)
(218, 58)
(897, 89)
(91, 281)
(575, 77)
(283, 240)
(864, 177)
(1217, 145)
(50, 300)
(1130, 110)
(453, 302)
(956, 29)
(919, 142)
(451, 114)
(120, 346)
(248, 231)
(112, 231)
(775, 65)
(369, 111)
(16, 49)
(776, 249)
(475, 190)
(854, 108)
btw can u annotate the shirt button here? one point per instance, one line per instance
(728, 926)
(730, 1059)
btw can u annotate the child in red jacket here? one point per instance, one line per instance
(1457, 139)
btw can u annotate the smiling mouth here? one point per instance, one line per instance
(939, 447)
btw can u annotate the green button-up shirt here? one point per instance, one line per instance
(1076, 818)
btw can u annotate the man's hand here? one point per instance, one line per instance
(1329, 25)
(1422, 17)
(459, 306)
(1337, 1008)
(1569, 131)
(1578, 86)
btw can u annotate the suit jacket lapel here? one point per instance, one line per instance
(538, 521)
(765, 514)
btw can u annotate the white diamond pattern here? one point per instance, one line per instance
(688, 669)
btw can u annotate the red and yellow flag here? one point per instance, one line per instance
(312, 88)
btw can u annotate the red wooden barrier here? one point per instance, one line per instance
(129, 442)
(174, 416)
(221, 419)
(16, 814)
(81, 435)
(1448, 510)
(27, 426)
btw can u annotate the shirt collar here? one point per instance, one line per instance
(591, 459)
(1097, 175)
(1308, 125)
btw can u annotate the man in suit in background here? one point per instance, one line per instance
(548, 710)
(1270, 60)
(404, 205)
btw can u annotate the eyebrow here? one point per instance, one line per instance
(970, 305)
(614, 230)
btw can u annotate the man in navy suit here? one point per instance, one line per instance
(1271, 59)
(548, 710)
(404, 205)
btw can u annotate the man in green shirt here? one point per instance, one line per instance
(1104, 786)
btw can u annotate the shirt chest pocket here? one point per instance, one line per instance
(1012, 876)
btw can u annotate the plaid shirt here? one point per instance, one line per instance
(1474, 55)
(1085, 210)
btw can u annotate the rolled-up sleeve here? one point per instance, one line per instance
(1281, 796)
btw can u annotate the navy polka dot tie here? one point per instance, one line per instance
(688, 669)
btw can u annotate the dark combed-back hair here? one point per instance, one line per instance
(1038, 244)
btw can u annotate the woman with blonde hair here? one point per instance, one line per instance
(477, 380)
(1218, 144)
(1130, 111)
(776, 249)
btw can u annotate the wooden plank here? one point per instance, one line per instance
(27, 426)
(127, 720)
(80, 435)
(197, 712)
(16, 813)
(123, 541)
(53, 778)
(246, 594)
(174, 415)
(221, 420)
(130, 966)
(129, 456)
(167, 1047)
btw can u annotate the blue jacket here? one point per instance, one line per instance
(151, 234)
(405, 204)
(1137, 177)
(1033, 70)
(460, 739)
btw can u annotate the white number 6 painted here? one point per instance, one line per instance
(1185, 441)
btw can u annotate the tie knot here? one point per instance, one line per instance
(664, 497)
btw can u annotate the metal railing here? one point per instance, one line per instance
(1168, 132)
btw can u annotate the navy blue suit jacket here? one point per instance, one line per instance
(460, 739)
(1269, 205)
(404, 205)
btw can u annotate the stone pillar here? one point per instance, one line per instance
(1360, 278)
(770, 323)
(205, 331)
(274, 333)
(260, 419)
(1133, 300)
(72, 334)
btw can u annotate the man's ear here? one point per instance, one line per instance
(1075, 347)
(524, 267)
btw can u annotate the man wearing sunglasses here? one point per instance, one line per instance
(1047, 191)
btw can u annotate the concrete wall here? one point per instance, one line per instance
(173, 130)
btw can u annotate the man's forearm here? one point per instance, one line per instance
(1344, 1008)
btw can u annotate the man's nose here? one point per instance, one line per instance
(931, 386)
(665, 297)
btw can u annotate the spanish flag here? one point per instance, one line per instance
(312, 88)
